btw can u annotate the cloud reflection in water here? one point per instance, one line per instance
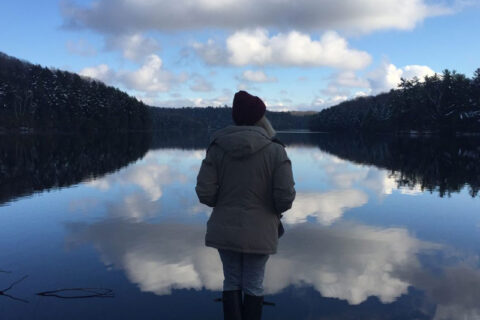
(324, 207)
(321, 249)
(346, 261)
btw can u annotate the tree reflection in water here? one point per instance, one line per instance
(145, 222)
(33, 163)
(436, 164)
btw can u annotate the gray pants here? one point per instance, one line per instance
(243, 271)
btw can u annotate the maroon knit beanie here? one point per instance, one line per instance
(247, 109)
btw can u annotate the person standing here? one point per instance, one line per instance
(247, 178)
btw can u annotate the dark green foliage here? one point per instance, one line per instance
(33, 98)
(212, 118)
(290, 120)
(446, 103)
(438, 164)
(31, 162)
(37, 99)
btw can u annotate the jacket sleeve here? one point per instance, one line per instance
(207, 180)
(283, 184)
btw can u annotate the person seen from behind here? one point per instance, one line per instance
(247, 178)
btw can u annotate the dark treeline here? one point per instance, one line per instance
(441, 103)
(212, 118)
(31, 163)
(443, 165)
(188, 140)
(34, 98)
(38, 99)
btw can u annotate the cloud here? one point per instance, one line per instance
(101, 72)
(136, 206)
(339, 82)
(257, 76)
(81, 47)
(211, 52)
(346, 260)
(326, 207)
(218, 101)
(257, 47)
(340, 88)
(150, 176)
(150, 77)
(387, 76)
(411, 71)
(201, 84)
(349, 79)
(350, 262)
(141, 186)
(321, 103)
(342, 85)
(358, 16)
(381, 182)
(134, 46)
(455, 290)
(157, 257)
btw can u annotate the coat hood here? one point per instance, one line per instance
(241, 141)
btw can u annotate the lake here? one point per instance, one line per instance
(382, 228)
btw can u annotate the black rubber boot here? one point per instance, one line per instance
(252, 307)
(232, 305)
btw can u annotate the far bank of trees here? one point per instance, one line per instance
(38, 99)
(442, 165)
(34, 98)
(212, 118)
(441, 103)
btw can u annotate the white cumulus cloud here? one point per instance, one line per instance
(101, 72)
(350, 261)
(388, 76)
(133, 46)
(358, 16)
(149, 77)
(326, 207)
(257, 76)
(257, 47)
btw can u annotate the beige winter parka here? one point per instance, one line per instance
(247, 178)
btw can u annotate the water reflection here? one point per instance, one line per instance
(32, 163)
(326, 207)
(157, 257)
(440, 164)
(339, 258)
(348, 261)
(363, 240)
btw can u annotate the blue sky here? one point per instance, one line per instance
(294, 54)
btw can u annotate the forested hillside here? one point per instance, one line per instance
(32, 163)
(444, 165)
(441, 103)
(39, 99)
(34, 98)
(215, 118)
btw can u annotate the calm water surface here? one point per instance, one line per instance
(381, 229)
